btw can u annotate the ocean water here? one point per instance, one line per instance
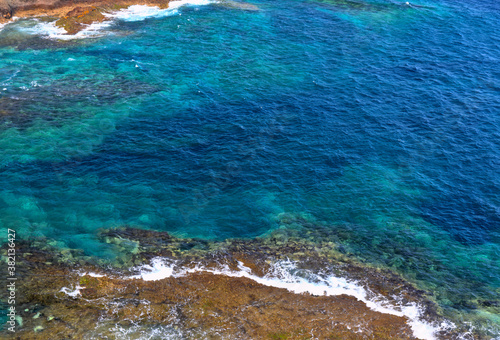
(379, 120)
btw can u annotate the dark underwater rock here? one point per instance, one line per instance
(238, 5)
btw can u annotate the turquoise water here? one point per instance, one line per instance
(378, 120)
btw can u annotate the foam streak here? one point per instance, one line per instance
(283, 277)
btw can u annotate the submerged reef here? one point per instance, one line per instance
(205, 290)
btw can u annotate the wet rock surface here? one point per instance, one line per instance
(75, 16)
(76, 19)
(57, 298)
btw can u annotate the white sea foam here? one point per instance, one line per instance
(93, 274)
(50, 30)
(142, 12)
(285, 275)
(13, 19)
(158, 270)
(72, 293)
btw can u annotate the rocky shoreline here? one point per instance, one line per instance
(58, 8)
(64, 294)
(74, 16)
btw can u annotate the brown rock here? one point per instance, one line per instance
(199, 304)
(76, 19)
(5, 10)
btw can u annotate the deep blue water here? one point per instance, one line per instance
(376, 119)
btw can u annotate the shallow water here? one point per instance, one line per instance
(378, 120)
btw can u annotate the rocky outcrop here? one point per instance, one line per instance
(5, 10)
(76, 19)
(23, 5)
(58, 298)
(75, 15)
